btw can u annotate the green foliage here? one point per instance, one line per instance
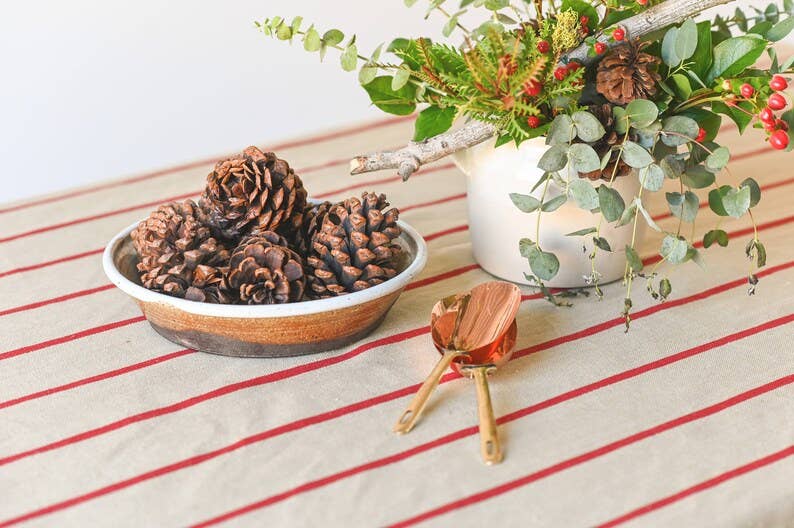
(495, 73)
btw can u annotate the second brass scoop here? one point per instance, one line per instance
(470, 326)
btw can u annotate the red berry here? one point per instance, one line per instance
(560, 73)
(533, 88)
(779, 139)
(600, 48)
(782, 125)
(584, 20)
(767, 115)
(543, 46)
(533, 122)
(619, 34)
(701, 135)
(573, 66)
(642, 2)
(776, 102)
(747, 90)
(778, 83)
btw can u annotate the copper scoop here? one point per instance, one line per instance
(475, 333)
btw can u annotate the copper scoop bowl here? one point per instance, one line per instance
(475, 332)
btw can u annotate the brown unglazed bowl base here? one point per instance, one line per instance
(271, 337)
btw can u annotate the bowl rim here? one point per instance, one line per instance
(397, 283)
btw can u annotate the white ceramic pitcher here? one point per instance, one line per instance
(496, 225)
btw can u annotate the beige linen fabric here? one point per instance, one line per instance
(104, 423)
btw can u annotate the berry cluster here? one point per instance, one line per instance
(534, 88)
(777, 128)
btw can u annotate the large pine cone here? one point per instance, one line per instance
(605, 144)
(255, 189)
(627, 73)
(263, 270)
(354, 248)
(172, 243)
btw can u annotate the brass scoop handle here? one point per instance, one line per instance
(411, 414)
(490, 449)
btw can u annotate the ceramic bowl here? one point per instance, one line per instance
(266, 330)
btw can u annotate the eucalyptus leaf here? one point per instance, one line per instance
(562, 130)
(715, 235)
(400, 79)
(583, 194)
(678, 126)
(583, 157)
(672, 166)
(697, 177)
(684, 206)
(641, 113)
(669, 49)
(349, 58)
(544, 265)
(554, 159)
(652, 177)
(582, 232)
(621, 119)
(312, 40)
(718, 159)
(633, 258)
(636, 156)
(645, 214)
(602, 243)
(736, 202)
(367, 74)
(553, 204)
(610, 202)
(687, 39)
(525, 247)
(715, 200)
(674, 249)
(588, 127)
(332, 37)
(755, 191)
(525, 202)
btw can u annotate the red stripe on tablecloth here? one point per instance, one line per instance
(70, 337)
(702, 486)
(48, 263)
(598, 452)
(434, 202)
(200, 163)
(451, 230)
(91, 218)
(99, 377)
(55, 300)
(422, 172)
(406, 391)
(739, 232)
(442, 276)
(611, 380)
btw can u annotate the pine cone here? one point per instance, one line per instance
(255, 189)
(313, 217)
(172, 243)
(209, 286)
(263, 270)
(627, 73)
(605, 144)
(353, 248)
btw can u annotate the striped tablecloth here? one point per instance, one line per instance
(686, 420)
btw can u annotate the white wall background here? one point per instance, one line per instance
(96, 89)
